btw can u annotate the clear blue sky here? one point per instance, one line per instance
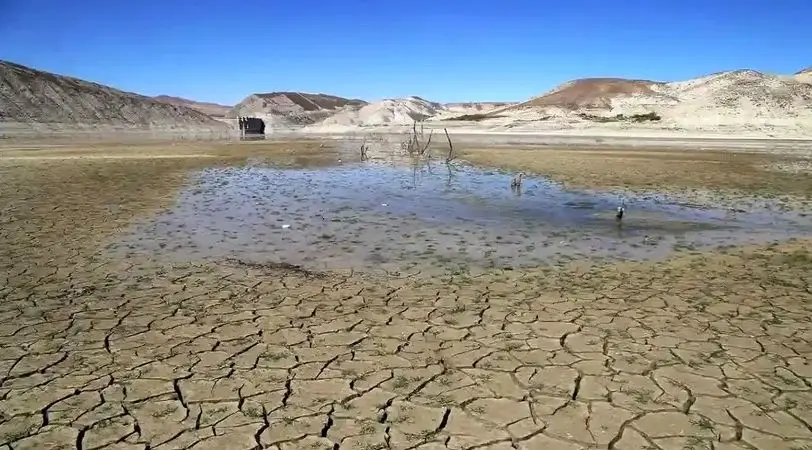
(221, 51)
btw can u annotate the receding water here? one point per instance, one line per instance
(378, 216)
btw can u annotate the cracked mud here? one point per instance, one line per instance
(96, 352)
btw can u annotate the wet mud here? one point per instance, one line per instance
(395, 217)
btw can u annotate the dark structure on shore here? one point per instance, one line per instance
(251, 126)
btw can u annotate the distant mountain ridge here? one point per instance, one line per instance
(31, 97)
(212, 109)
(733, 100)
(743, 100)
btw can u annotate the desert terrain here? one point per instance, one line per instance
(184, 289)
(739, 104)
(700, 349)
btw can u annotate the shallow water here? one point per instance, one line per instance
(386, 216)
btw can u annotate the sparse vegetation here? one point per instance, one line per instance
(647, 117)
(254, 412)
(168, 410)
(417, 143)
(475, 117)
(401, 382)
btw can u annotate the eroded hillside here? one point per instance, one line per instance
(31, 98)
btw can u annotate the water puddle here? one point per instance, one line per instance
(386, 216)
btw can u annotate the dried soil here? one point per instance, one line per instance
(707, 351)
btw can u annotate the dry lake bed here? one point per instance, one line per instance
(286, 295)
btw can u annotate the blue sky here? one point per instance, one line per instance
(213, 50)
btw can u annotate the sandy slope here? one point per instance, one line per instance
(389, 111)
(211, 109)
(400, 112)
(33, 101)
(804, 76)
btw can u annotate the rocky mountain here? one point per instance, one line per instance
(34, 99)
(211, 109)
(293, 108)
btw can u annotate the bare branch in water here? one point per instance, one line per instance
(450, 156)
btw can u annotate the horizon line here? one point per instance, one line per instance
(316, 92)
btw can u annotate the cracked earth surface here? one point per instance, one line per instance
(129, 355)
(703, 351)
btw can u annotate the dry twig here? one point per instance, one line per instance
(450, 156)
(364, 149)
(416, 145)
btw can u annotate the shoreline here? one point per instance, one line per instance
(462, 138)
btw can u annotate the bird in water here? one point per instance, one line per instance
(516, 182)
(620, 210)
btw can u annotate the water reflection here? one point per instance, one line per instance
(371, 216)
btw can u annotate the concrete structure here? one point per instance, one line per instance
(251, 126)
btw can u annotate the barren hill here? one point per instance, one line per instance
(805, 75)
(294, 108)
(733, 89)
(399, 111)
(212, 109)
(740, 100)
(596, 93)
(744, 89)
(31, 99)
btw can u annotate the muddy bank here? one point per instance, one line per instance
(710, 178)
(390, 216)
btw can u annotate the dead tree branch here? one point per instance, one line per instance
(417, 144)
(428, 142)
(364, 149)
(450, 156)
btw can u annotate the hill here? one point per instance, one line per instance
(804, 76)
(397, 111)
(743, 89)
(598, 93)
(734, 100)
(32, 99)
(293, 108)
(211, 109)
